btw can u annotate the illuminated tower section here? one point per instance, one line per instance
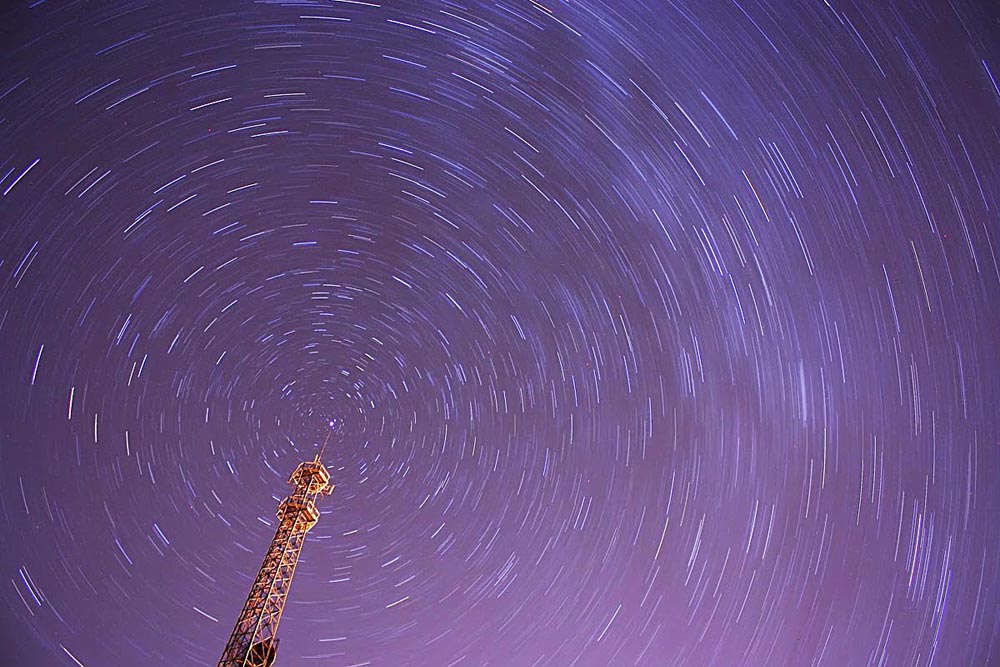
(254, 642)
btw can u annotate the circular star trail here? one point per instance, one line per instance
(653, 333)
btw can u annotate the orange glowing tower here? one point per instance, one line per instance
(254, 642)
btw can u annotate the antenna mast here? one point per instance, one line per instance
(254, 642)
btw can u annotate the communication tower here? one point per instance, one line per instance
(254, 641)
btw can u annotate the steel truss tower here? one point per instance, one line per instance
(254, 642)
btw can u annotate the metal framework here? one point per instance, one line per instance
(254, 642)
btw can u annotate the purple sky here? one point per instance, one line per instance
(659, 333)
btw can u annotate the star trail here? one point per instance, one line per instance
(653, 332)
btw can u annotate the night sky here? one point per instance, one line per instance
(655, 332)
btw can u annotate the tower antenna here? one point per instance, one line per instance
(319, 456)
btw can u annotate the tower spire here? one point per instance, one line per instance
(254, 642)
(319, 455)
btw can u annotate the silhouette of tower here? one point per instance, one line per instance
(254, 642)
